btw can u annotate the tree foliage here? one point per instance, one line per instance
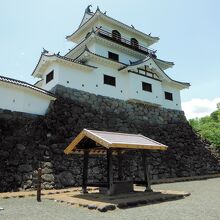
(209, 126)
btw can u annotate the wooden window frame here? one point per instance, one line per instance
(49, 76)
(168, 96)
(113, 56)
(116, 35)
(134, 42)
(109, 80)
(146, 87)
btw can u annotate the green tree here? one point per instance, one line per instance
(209, 126)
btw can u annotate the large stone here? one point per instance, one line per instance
(27, 184)
(4, 154)
(48, 177)
(25, 168)
(47, 170)
(27, 176)
(20, 147)
(66, 178)
(47, 164)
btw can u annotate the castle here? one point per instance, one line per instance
(110, 81)
(110, 59)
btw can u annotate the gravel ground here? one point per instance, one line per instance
(204, 203)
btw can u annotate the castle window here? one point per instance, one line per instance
(113, 56)
(116, 35)
(109, 80)
(168, 96)
(134, 43)
(146, 87)
(49, 76)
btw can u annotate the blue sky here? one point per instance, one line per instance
(188, 29)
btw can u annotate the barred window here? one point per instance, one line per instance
(146, 87)
(134, 42)
(168, 96)
(116, 35)
(49, 76)
(109, 80)
(113, 56)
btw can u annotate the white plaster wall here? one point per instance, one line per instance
(176, 103)
(120, 90)
(92, 81)
(92, 45)
(73, 77)
(102, 49)
(136, 92)
(52, 83)
(128, 85)
(17, 98)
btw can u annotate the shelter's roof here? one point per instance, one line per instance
(115, 140)
(26, 85)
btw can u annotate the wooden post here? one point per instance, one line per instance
(120, 175)
(85, 171)
(146, 172)
(109, 171)
(39, 173)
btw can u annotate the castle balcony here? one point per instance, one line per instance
(115, 36)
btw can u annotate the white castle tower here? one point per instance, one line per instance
(111, 59)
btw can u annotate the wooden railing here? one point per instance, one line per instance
(128, 43)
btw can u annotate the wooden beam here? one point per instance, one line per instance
(109, 171)
(73, 144)
(85, 171)
(146, 172)
(138, 73)
(138, 146)
(120, 174)
(39, 179)
(96, 138)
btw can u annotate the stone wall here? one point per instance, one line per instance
(27, 143)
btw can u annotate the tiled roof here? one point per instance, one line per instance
(80, 43)
(114, 20)
(150, 57)
(95, 54)
(73, 60)
(60, 57)
(163, 61)
(24, 84)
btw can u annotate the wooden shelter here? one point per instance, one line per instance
(109, 143)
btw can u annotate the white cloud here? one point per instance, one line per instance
(199, 107)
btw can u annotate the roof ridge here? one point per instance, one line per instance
(67, 58)
(133, 29)
(25, 84)
(87, 50)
